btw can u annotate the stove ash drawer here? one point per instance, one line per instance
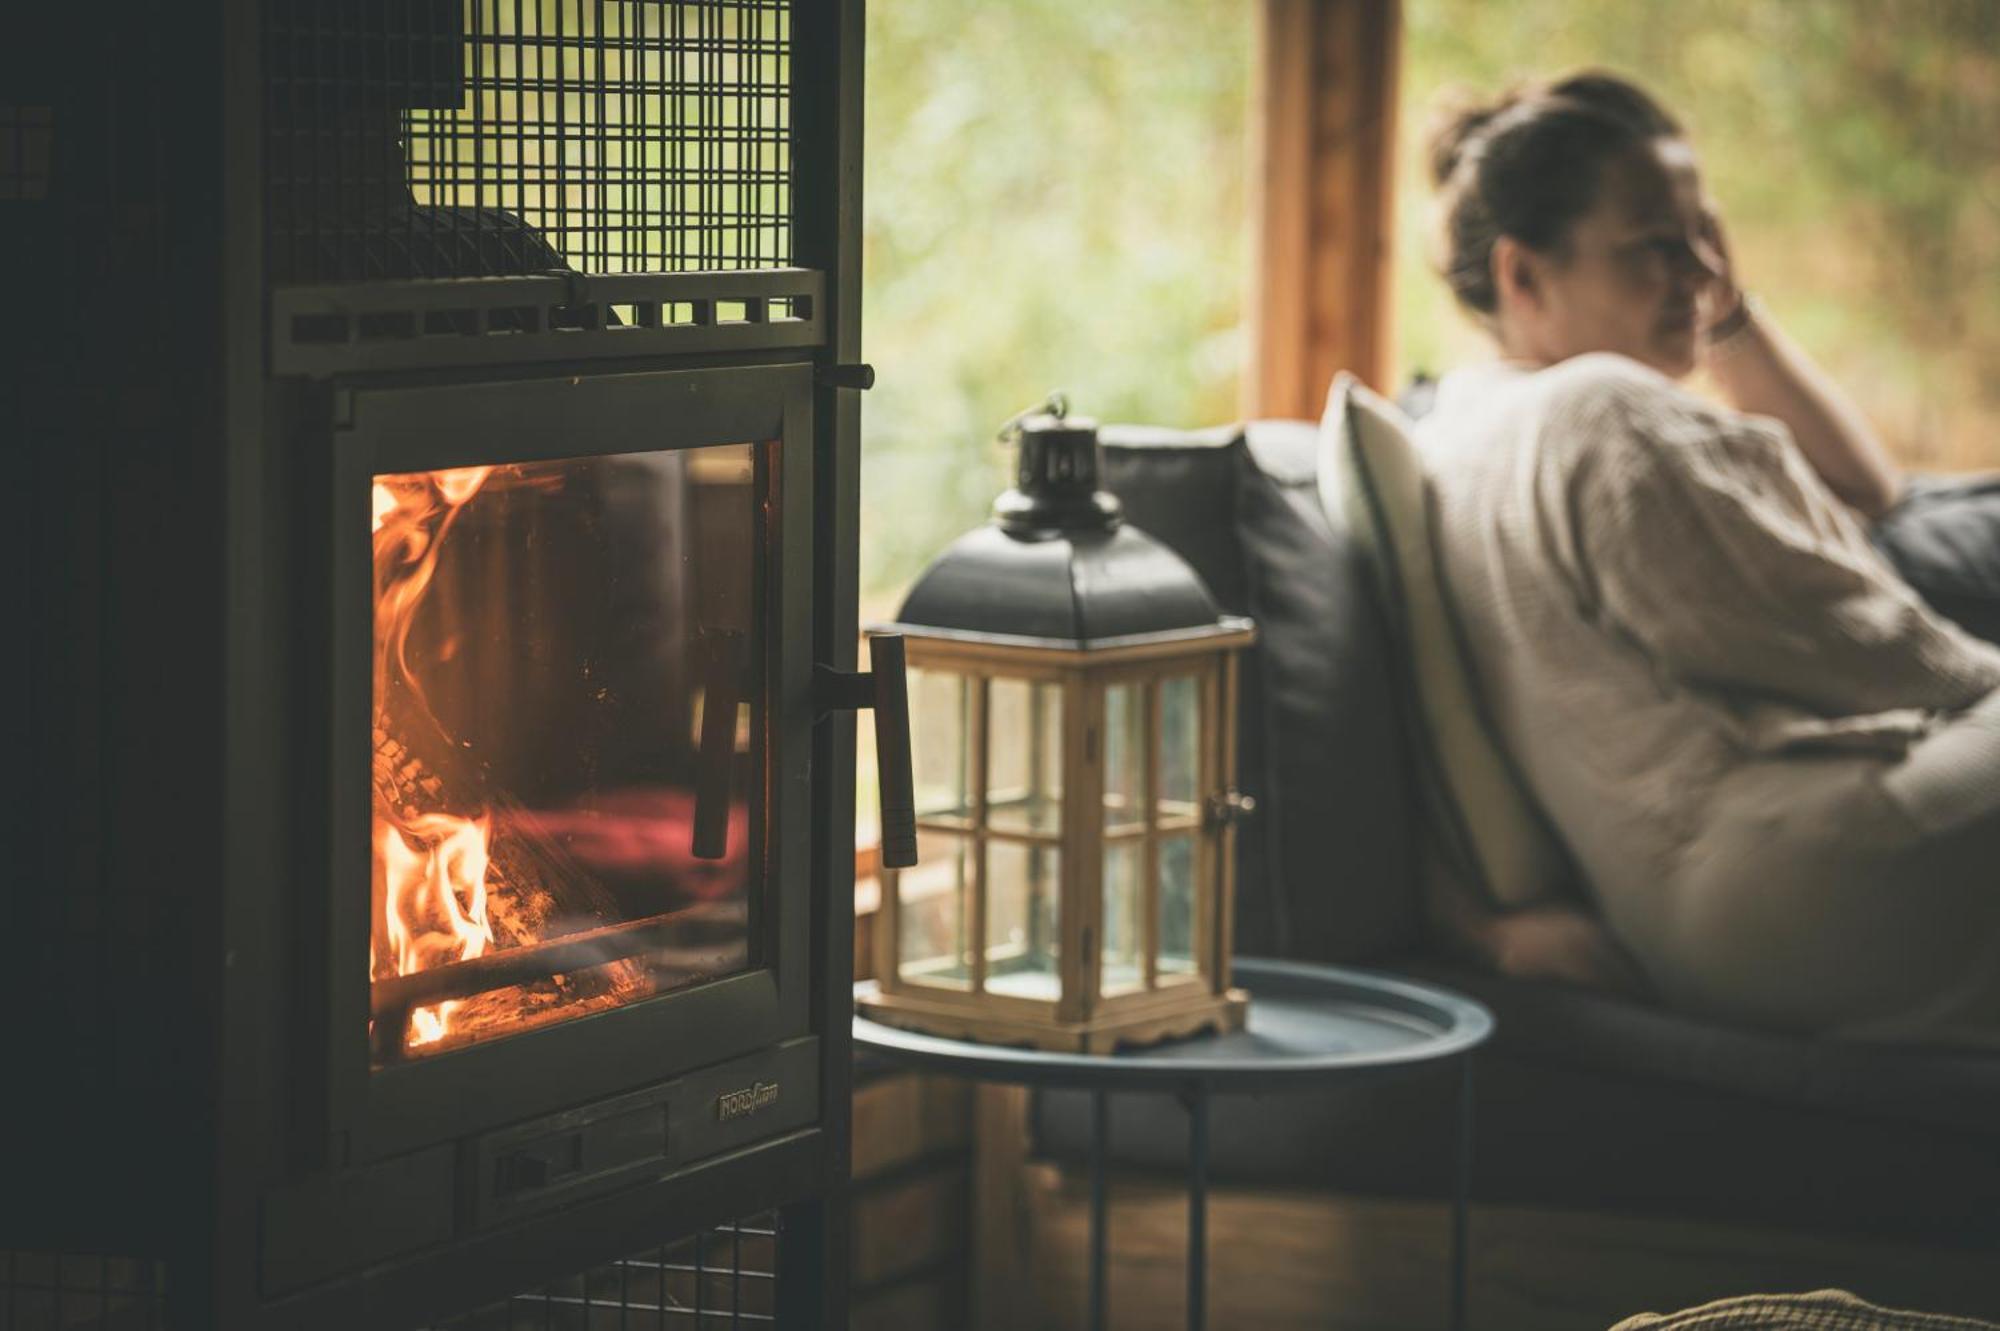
(554, 1161)
(330, 1225)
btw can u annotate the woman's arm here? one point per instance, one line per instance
(1761, 371)
(1706, 539)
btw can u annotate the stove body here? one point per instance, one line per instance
(434, 871)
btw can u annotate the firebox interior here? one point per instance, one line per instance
(567, 723)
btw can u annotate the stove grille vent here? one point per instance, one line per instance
(451, 138)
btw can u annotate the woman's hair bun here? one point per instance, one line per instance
(1528, 164)
(1457, 124)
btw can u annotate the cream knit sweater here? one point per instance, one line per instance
(1777, 770)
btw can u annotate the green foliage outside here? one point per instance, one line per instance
(1854, 147)
(1056, 198)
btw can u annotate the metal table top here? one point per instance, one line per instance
(1308, 1024)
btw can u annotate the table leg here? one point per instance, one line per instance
(1100, 1146)
(1196, 1100)
(1461, 1196)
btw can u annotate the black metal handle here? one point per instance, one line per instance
(860, 377)
(721, 689)
(892, 751)
(885, 688)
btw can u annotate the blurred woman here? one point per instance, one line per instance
(1777, 769)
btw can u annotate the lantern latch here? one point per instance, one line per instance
(1230, 807)
(885, 690)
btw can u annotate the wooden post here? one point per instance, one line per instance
(1003, 1274)
(1324, 200)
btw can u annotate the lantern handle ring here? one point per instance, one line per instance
(1056, 404)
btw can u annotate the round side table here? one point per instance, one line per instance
(1310, 1027)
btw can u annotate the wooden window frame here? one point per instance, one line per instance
(1323, 201)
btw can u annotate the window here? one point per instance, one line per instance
(1056, 198)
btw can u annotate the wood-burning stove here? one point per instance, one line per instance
(438, 579)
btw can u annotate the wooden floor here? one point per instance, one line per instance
(912, 1202)
(1280, 1260)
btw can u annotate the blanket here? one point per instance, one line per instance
(1821, 1310)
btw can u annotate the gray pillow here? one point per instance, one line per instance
(1337, 818)
(1324, 868)
(1944, 538)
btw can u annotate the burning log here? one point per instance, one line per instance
(402, 783)
(524, 965)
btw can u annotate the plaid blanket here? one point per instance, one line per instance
(1821, 1310)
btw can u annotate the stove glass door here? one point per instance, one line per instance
(568, 732)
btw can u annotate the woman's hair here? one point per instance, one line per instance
(1528, 166)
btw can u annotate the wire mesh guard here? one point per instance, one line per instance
(451, 138)
(42, 1291)
(723, 1277)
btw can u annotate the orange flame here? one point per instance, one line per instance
(435, 875)
(430, 866)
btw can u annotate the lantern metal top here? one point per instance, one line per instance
(1059, 565)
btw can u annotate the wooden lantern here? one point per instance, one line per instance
(1073, 701)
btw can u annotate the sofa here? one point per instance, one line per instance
(1585, 1101)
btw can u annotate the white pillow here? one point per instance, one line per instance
(1496, 836)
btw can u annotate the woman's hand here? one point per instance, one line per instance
(1758, 370)
(1722, 299)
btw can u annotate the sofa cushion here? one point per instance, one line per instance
(1599, 1103)
(1179, 487)
(1944, 538)
(1324, 868)
(1494, 835)
(1339, 821)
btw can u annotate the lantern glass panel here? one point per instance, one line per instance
(1024, 756)
(1021, 928)
(1178, 860)
(931, 899)
(1122, 957)
(941, 744)
(1180, 748)
(1124, 761)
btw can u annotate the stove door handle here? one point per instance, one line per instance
(892, 751)
(885, 689)
(715, 760)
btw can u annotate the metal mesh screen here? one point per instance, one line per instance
(723, 1277)
(42, 1291)
(445, 138)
